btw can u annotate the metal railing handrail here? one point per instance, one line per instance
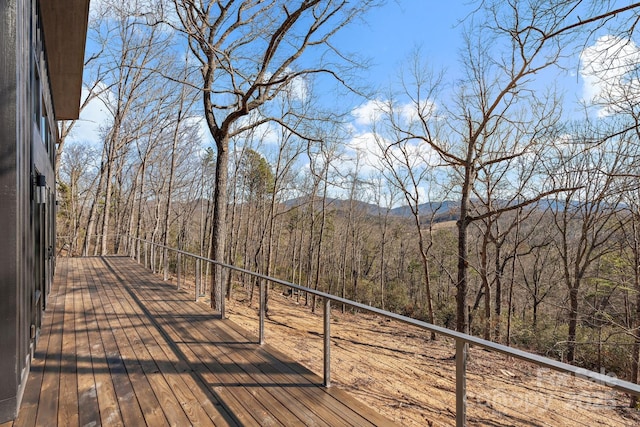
(462, 340)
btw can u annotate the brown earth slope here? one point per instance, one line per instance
(395, 368)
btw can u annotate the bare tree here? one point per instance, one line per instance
(289, 148)
(632, 237)
(65, 127)
(182, 130)
(77, 178)
(123, 73)
(319, 169)
(539, 268)
(385, 198)
(249, 51)
(408, 166)
(506, 45)
(585, 216)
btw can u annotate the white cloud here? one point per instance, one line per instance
(264, 133)
(92, 117)
(368, 113)
(268, 133)
(365, 147)
(411, 112)
(364, 142)
(298, 89)
(607, 71)
(370, 147)
(204, 135)
(372, 111)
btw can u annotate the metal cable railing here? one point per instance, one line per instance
(462, 341)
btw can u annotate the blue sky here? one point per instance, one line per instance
(387, 38)
(394, 30)
(391, 33)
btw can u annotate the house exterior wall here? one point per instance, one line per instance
(27, 149)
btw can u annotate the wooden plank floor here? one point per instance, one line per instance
(120, 347)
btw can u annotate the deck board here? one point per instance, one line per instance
(48, 408)
(163, 306)
(87, 396)
(166, 379)
(121, 347)
(68, 401)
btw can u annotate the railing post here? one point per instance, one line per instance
(197, 289)
(223, 294)
(462, 348)
(208, 277)
(165, 268)
(178, 269)
(327, 342)
(138, 251)
(262, 313)
(146, 254)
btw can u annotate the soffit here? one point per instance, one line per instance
(64, 24)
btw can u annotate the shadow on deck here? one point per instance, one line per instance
(121, 347)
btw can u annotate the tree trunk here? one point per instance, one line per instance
(461, 286)
(106, 212)
(91, 222)
(219, 225)
(463, 225)
(323, 217)
(111, 154)
(486, 285)
(635, 352)
(234, 234)
(635, 357)
(427, 272)
(383, 245)
(573, 323)
(498, 294)
(172, 168)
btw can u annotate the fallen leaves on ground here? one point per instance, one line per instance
(396, 369)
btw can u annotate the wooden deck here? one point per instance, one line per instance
(121, 347)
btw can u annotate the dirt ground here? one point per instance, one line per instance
(396, 369)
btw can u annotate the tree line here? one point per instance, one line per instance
(540, 249)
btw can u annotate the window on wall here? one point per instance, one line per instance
(39, 82)
(36, 102)
(44, 126)
(40, 118)
(36, 95)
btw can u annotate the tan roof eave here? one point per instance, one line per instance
(65, 32)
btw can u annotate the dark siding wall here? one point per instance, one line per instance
(8, 209)
(23, 223)
(24, 257)
(24, 249)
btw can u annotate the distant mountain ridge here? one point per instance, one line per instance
(447, 210)
(440, 211)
